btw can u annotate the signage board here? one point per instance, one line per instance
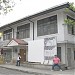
(50, 48)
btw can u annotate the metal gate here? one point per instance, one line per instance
(7, 55)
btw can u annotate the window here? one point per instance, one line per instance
(7, 34)
(23, 31)
(47, 26)
(71, 28)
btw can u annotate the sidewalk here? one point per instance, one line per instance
(38, 71)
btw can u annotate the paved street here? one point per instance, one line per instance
(4, 71)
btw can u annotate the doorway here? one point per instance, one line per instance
(23, 55)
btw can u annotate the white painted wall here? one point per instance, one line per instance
(62, 36)
(13, 43)
(72, 54)
(36, 51)
(60, 20)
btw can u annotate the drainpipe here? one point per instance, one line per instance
(33, 27)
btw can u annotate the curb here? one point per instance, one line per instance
(25, 71)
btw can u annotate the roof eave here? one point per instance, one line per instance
(66, 5)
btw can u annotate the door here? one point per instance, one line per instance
(23, 55)
(59, 52)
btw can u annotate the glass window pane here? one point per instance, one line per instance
(47, 26)
(7, 34)
(24, 31)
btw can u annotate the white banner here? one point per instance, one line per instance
(50, 48)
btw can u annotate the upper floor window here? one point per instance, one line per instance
(71, 28)
(47, 26)
(7, 34)
(23, 31)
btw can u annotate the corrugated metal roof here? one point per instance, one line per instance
(66, 5)
(19, 41)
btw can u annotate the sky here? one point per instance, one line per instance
(26, 8)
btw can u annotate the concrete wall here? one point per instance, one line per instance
(62, 35)
(72, 61)
(66, 57)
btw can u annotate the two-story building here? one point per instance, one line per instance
(44, 24)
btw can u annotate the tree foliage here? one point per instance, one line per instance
(72, 7)
(6, 6)
(69, 21)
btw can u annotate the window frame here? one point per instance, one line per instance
(44, 26)
(23, 31)
(71, 28)
(7, 34)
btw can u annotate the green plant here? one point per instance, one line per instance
(70, 21)
(72, 7)
(6, 6)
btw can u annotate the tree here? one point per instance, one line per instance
(6, 6)
(70, 21)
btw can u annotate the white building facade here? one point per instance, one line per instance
(49, 23)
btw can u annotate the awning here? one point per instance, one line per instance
(17, 42)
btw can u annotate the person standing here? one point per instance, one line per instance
(56, 62)
(18, 60)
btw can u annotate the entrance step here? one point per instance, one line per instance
(42, 66)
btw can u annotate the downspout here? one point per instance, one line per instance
(33, 27)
